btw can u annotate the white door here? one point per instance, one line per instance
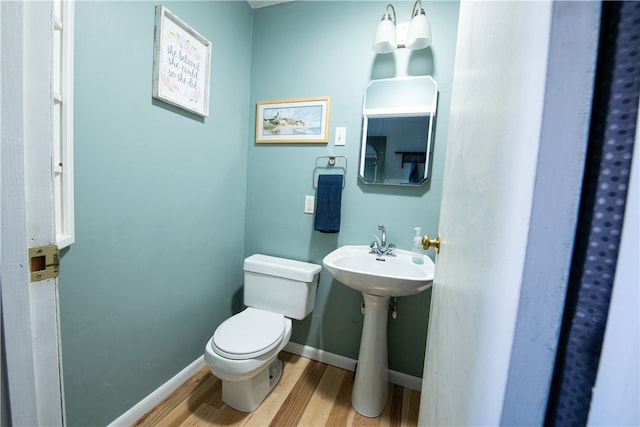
(29, 309)
(517, 136)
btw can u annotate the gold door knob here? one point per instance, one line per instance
(429, 243)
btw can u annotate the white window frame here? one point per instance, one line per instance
(62, 119)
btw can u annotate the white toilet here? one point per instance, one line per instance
(243, 350)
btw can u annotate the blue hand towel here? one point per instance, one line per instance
(328, 199)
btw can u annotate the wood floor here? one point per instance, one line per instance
(309, 393)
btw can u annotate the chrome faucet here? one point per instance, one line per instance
(382, 248)
(384, 234)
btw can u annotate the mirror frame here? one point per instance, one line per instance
(403, 106)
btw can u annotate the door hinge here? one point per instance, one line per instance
(45, 262)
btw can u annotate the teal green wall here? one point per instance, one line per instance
(306, 49)
(168, 204)
(159, 206)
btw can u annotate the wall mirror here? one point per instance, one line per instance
(398, 117)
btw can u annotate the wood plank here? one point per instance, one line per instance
(391, 413)
(410, 407)
(309, 394)
(296, 402)
(204, 415)
(320, 404)
(340, 411)
(215, 398)
(182, 411)
(395, 416)
(181, 403)
(229, 417)
(291, 371)
(178, 395)
(358, 420)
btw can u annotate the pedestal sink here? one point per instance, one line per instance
(378, 278)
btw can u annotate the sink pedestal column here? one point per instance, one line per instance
(370, 388)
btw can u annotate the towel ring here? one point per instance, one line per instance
(331, 164)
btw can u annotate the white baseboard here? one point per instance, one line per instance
(149, 402)
(404, 380)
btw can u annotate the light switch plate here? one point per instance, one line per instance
(309, 204)
(341, 136)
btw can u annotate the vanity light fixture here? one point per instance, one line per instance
(385, 39)
(414, 35)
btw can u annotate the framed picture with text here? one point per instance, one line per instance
(181, 64)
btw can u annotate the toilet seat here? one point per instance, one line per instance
(248, 334)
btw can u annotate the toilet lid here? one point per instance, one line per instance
(249, 334)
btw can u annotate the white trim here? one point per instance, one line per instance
(405, 380)
(29, 315)
(395, 377)
(321, 356)
(65, 226)
(153, 399)
(43, 296)
(149, 402)
(14, 277)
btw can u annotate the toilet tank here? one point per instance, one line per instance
(280, 285)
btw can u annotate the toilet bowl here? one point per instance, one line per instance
(243, 350)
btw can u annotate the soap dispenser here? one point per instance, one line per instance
(417, 256)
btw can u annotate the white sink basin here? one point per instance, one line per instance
(391, 276)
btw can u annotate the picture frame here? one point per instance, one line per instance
(181, 64)
(301, 120)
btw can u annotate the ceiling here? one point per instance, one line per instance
(256, 4)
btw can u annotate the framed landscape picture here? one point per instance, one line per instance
(302, 120)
